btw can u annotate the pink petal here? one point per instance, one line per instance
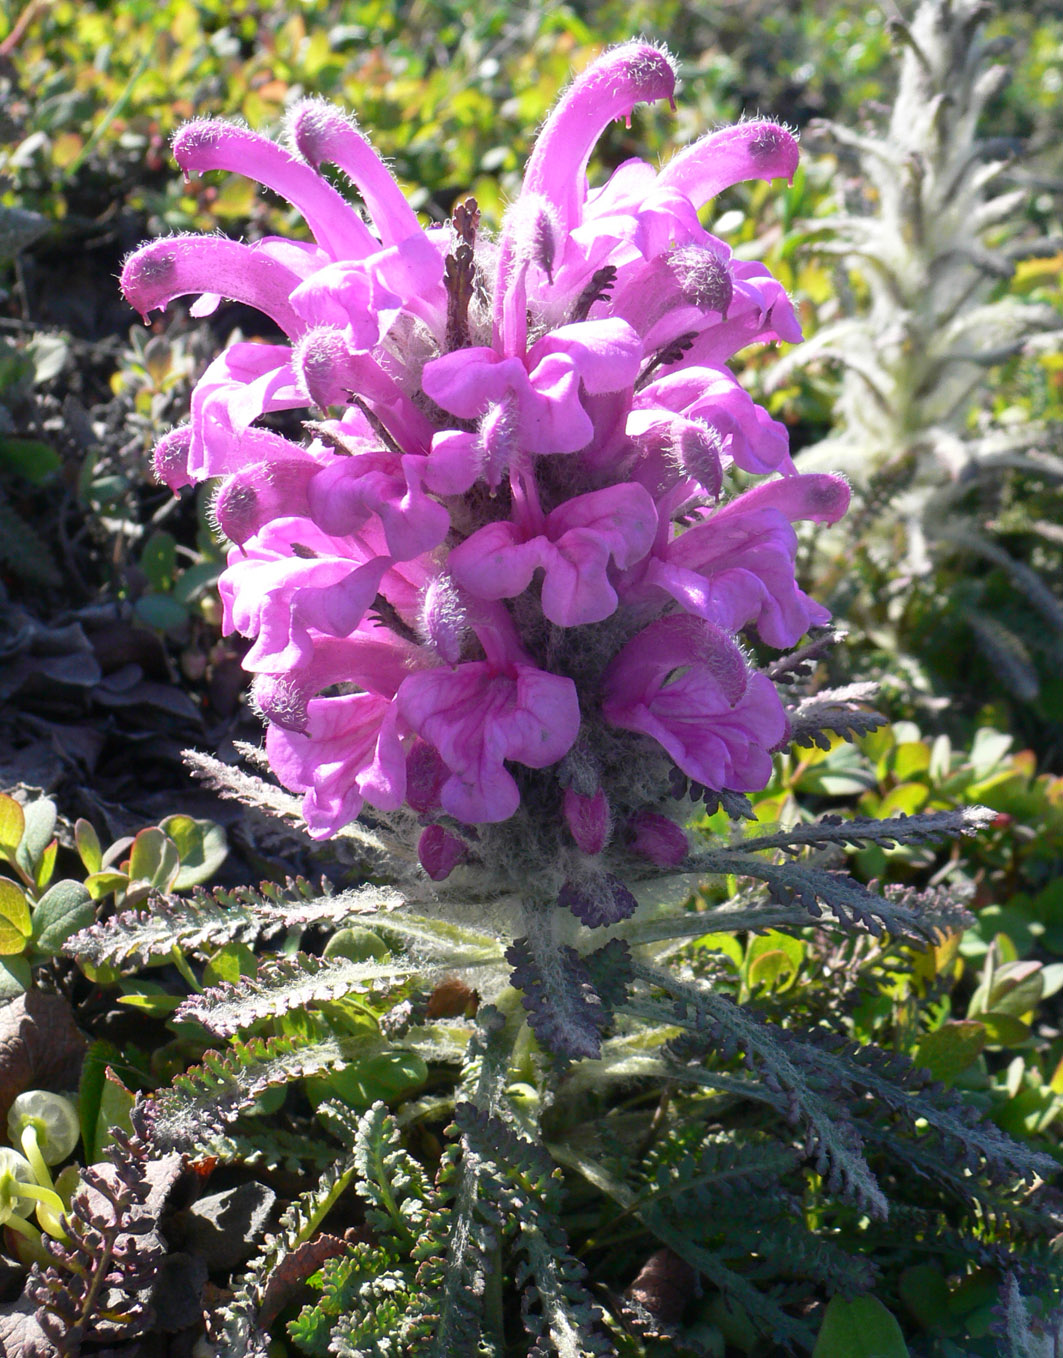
(177, 265)
(323, 132)
(477, 717)
(609, 88)
(753, 150)
(210, 144)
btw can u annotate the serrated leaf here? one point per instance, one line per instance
(64, 909)
(206, 921)
(205, 1098)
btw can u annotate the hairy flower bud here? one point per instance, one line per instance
(444, 619)
(439, 852)
(659, 839)
(170, 458)
(588, 819)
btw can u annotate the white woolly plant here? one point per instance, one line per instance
(929, 249)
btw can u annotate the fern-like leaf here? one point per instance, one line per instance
(834, 712)
(832, 1138)
(360, 1311)
(564, 1009)
(208, 920)
(240, 1329)
(285, 984)
(109, 1257)
(205, 1098)
(389, 1179)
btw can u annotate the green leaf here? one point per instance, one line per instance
(388, 1075)
(196, 580)
(950, 1049)
(62, 910)
(925, 1293)
(231, 963)
(19, 227)
(29, 458)
(12, 825)
(358, 944)
(104, 1102)
(154, 859)
(1003, 1030)
(15, 926)
(90, 1094)
(773, 959)
(905, 800)
(158, 561)
(46, 865)
(148, 997)
(910, 757)
(201, 845)
(100, 884)
(765, 970)
(37, 835)
(861, 1328)
(49, 353)
(988, 750)
(88, 845)
(161, 611)
(15, 977)
(115, 1109)
(723, 943)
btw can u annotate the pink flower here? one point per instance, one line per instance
(478, 716)
(350, 753)
(505, 571)
(577, 542)
(685, 684)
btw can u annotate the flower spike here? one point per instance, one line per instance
(497, 594)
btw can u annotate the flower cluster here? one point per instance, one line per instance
(499, 591)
